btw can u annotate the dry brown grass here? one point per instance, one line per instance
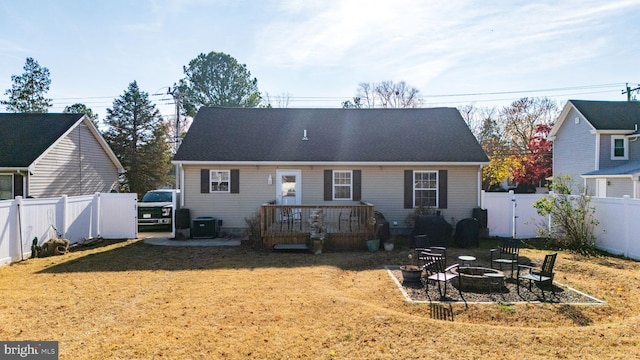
(130, 300)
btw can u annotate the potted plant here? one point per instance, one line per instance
(389, 244)
(411, 272)
(373, 243)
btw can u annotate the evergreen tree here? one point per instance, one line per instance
(139, 138)
(79, 108)
(27, 92)
(217, 79)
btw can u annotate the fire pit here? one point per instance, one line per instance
(472, 278)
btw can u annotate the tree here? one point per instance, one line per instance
(537, 163)
(521, 118)
(386, 94)
(79, 108)
(138, 137)
(217, 79)
(27, 92)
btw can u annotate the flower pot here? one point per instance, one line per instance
(373, 245)
(411, 273)
(317, 246)
(388, 246)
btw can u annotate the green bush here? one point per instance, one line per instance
(572, 217)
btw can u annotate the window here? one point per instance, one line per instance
(342, 185)
(6, 187)
(219, 180)
(425, 188)
(619, 148)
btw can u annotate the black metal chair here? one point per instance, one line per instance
(542, 275)
(506, 254)
(436, 270)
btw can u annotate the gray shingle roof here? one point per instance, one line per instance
(630, 168)
(24, 137)
(610, 115)
(334, 135)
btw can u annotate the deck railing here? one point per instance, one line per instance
(346, 226)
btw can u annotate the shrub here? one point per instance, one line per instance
(253, 230)
(572, 219)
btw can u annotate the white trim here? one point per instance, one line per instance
(333, 184)
(600, 176)
(330, 163)
(228, 172)
(437, 187)
(596, 165)
(625, 147)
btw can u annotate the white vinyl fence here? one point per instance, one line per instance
(108, 215)
(513, 215)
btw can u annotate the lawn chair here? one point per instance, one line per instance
(506, 254)
(436, 270)
(542, 275)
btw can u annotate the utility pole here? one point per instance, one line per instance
(629, 91)
(176, 100)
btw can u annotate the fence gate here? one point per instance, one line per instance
(119, 216)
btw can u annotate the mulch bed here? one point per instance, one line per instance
(415, 291)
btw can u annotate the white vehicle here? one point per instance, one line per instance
(156, 208)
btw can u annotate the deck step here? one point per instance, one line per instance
(290, 247)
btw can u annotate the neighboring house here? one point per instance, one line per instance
(49, 155)
(596, 143)
(233, 160)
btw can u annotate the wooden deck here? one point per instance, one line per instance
(345, 226)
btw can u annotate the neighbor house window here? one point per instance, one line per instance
(342, 185)
(6, 187)
(619, 148)
(219, 180)
(425, 188)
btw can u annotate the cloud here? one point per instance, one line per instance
(414, 41)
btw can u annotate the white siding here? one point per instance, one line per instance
(574, 148)
(381, 185)
(77, 165)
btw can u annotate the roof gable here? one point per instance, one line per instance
(333, 135)
(26, 136)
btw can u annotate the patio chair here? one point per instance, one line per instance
(506, 254)
(436, 270)
(542, 275)
(423, 252)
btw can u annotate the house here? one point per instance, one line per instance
(48, 155)
(236, 161)
(596, 144)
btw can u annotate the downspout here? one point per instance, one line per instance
(480, 186)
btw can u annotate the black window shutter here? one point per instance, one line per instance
(328, 185)
(18, 190)
(357, 185)
(442, 189)
(235, 181)
(408, 189)
(204, 181)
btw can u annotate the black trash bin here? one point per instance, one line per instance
(481, 215)
(183, 219)
(467, 233)
(382, 228)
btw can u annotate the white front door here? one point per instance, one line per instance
(289, 187)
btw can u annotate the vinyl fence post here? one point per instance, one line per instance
(625, 209)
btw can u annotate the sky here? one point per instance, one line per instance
(315, 53)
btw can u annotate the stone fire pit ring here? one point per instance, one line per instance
(472, 278)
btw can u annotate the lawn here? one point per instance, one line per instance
(131, 300)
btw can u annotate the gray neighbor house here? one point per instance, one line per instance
(49, 155)
(235, 162)
(596, 144)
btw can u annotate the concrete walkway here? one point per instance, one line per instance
(164, 240)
